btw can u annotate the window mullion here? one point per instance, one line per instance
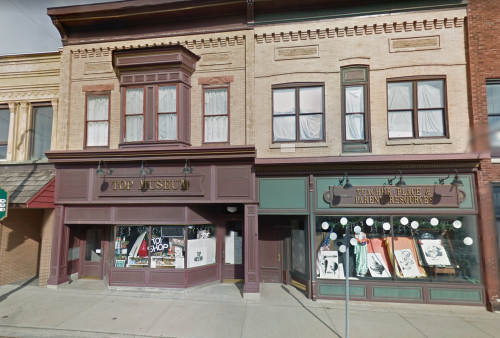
(415, 110)
(297, 113)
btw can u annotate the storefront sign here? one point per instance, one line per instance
(4, 203)
(438, 196)
(152, 185)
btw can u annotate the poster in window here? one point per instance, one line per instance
(377, 266)
(434, 252)
(330, 267)
(407, 263)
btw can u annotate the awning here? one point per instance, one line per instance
(29, 188)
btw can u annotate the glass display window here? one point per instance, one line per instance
(168, 246)
(202, 245)
(407, 248)
(132, 246)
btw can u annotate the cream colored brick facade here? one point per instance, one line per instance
(341, 42)
(24, 80)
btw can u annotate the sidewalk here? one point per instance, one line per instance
(87, 309)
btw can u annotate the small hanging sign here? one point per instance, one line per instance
(4, 203)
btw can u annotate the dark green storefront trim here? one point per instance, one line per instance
(338, 290)
(397, 292)
(456, 295)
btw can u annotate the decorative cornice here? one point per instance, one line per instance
(377, 28)
(392, 166)
(215, 80)
(189, 44)
(30, 96)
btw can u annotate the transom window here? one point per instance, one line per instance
(298, 114)
(416, 108)
(97, 120)
(216, 114)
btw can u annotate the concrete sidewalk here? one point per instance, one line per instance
(87, 309)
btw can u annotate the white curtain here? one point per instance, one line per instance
(430, 94)
(283, 101)
(430, 123)
(167, 127)
(216, 129)
(400, 124)
(134, 101)
(167, 99)
(216, 101)
(134, 128)
(311, 100)
(98, 112)
(400, 95)
(284, 128)
(354, 100)
(311, 127)
(355, 127)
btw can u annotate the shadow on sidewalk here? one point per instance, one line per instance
(329, 328)
(22, 286)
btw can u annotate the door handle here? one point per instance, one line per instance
(279, 257)
(223, 255)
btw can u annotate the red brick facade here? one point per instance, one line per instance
(484, 63)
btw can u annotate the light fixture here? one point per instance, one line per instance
(401, 183)
(354, 241)
(342, 248)
(457, 182)
(386, 226)
(99, 171)
(333, 236)
(357, 229)
(434, 221)
(343, 221)
(369, 222)
(457, 224)
(347, 184)
(325, 225)
(144, 172)
(187, 168)
(414, 225)
(404, 220)
(232, 209)
(468, 241)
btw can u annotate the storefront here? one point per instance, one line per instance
(413, 237)
(164, 221)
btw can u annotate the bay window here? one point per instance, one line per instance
(167, 113)
(298, 113)
(416, 108)
(216, 114)
(134, 114)
(97, 130)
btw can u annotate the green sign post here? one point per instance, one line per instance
(4, 203)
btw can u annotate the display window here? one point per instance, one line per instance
(156, 247)
(407, 248)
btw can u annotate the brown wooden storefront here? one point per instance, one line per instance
(96, 212)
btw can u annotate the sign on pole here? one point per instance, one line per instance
(4, 203)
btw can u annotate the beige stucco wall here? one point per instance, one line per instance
(92, 64)
(24, 80)
(363, 40)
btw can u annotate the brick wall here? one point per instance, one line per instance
(20, 245)
(484, 63)
(46, 247)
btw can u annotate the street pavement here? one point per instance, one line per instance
(86, 308)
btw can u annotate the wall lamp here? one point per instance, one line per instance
(187, 168)
(457, 182)
(347, 184)
(99, 171)
(401, 183)
(144, 172)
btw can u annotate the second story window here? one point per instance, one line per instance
(42, 131)
(416, 108)
(4, 132)
(216, 114)
(298, 114)
(493, 99)
(97, 131)
(134, 114)
(167, 113)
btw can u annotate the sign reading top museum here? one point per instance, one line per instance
(389, 196)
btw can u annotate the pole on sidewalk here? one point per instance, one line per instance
(347, 245)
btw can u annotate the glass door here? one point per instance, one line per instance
(232, 252)
(92, 260)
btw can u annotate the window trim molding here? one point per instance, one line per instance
(157, 113)
(31, 129)
(297, 86)
(227, 86)
(415, 80)
(103, 93)
(367, 113)
(125, 113)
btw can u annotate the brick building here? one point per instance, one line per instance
(483, 19)
(29, 91)
(226, 142)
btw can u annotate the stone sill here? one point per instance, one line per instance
(407, 142)
(298, 145)
(495, 160)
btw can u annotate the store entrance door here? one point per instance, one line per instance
(232, 253)
(270, 251)
(93, 252)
